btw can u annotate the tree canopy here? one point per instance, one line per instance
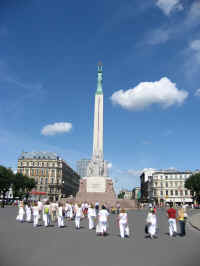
(193, 184)
(20, 184)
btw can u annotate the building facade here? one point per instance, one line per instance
(54, 177)
(166, 186)
(127, 193)
(82, 166)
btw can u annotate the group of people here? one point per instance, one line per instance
(52, 212)
(181, 216)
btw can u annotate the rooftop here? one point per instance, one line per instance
(43, 155)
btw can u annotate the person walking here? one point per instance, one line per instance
(123, 223)
(103, 220)
(172, 221)
(21, 212)
(78, 216)
(36, 214)
(46, 214)
(152, 223)
(53, 209)
(182, 216)
(28, 212)
(60, 216)
(91, 216)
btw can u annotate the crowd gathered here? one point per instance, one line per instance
(48, 213)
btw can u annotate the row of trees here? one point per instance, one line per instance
(21, 185)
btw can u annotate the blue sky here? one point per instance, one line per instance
(150, 51)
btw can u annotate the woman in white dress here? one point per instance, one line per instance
(78, 216)
(91, 216)
(21, 212)
(28, 212)
(123, 223)
(103, 220)
(152, 223)
(35, 210)
(60, 216)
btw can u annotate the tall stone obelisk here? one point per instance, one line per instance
(97, 166)
(97, 185)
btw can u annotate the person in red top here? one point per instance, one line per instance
(172, 220)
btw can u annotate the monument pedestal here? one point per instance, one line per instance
(98, 188)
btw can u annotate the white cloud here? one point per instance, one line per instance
(197, 93)
(168, 6)
(158, 36)
(56, 128)
(162, 92)
(195, 48)
(193, 16)
(109, 165)
(134, 172)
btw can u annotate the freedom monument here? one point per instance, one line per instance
(97, 186)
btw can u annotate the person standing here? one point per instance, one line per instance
(123, 223)
(103, 220)
(53, 207)
(78, 216)
(97, 207)
(182, 216)
(172, 220)
(91, 216)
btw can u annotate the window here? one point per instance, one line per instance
(156, 184)
(52, 180)
(32, 172)
(52, 172)
(42, 171)
(40, 188)
(166, 192)
(176, 184)
(166, 177)
(166, 184)
(161, 193)
(181, 192)
(186, 192)
(41, 180)
(172, 192)
(176, 192)
(46, 180)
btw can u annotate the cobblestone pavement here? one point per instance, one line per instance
(21, 244)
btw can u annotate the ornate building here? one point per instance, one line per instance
(54, 177)
(166, 186)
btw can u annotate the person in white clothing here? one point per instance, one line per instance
(46, 214)
(35, 210)
(152, 223)
(60, 215)
(78, 216)
(21, 212)
(123, 223)
(103, 219)
(91, 216)
(53, 208)
(28, 212)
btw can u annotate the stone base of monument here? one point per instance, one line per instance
(93, 189)
(101, 189)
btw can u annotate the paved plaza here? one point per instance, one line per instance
(21, 244)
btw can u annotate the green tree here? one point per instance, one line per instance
(121, 195)
(6, 177)
(193, 184)
(28, 186)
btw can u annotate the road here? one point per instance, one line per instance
(21, 244)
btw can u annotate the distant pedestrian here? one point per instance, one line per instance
(21, 212)
(60, 215)
(53, 209)
(182, 216)
(103, 220)
(91, 216)
(152, 223)
(35, 210)
(118, 207)
(172, 220)
(46, 214)
(123, 223)
(28, 212)
(97, 207)
(78, 215)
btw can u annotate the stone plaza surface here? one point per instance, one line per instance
(21, 244)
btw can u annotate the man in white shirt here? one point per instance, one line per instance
(103, 219)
